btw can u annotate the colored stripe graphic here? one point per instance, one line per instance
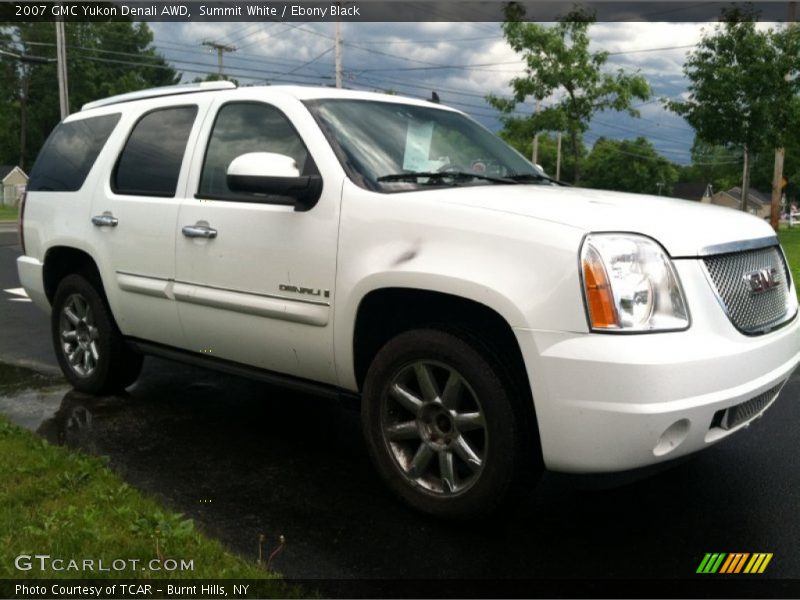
(711, 562)
(733, 563)
(764, 564)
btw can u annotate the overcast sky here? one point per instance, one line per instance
(408, 58)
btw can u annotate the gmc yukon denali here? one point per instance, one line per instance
(490, 321)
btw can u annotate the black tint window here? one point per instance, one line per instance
(151, 160)
(248, 127)
(69, 153)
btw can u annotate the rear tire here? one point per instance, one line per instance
(89, 347)
(443, 426)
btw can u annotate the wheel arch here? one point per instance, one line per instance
(60, 261)
(412, 308)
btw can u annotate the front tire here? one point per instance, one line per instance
(89, 347)
(442, 426)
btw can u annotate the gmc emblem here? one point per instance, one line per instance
(762, 280)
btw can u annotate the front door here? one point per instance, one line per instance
(254, 278)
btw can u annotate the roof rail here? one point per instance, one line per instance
(168, 90)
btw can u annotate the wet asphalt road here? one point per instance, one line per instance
(243, 459)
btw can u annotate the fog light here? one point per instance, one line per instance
(672, 437)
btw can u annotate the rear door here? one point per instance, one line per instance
(134, 217)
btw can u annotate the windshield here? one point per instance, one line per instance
(387, 146)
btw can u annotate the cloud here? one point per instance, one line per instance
(406, 58)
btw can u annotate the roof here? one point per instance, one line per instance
(753, 195)
(5, 171)
(689, 190)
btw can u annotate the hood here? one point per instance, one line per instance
(683, 227)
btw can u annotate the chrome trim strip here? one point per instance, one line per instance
(138, 284)
(739, 246)
(298, 312)
(222, 289)
(260, 295)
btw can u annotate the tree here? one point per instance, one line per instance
(519, 134)
(215, 77)
(103, 59)
(628, 166)
(559, 65)
(739, 95)
(764, 163)
(718, 166)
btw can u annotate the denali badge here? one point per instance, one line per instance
(762, 280)
(285, 287)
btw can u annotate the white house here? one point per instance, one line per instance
(14, 181)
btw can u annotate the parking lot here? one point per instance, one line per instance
(245, 459)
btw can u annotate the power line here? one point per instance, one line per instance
(307, 63)
(221, 49)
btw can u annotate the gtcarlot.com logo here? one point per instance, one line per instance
(735, 562)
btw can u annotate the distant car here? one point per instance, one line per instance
(489, 321)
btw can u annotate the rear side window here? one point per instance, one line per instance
(151, 161)
(69, 153)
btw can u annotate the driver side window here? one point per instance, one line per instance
(243, 127)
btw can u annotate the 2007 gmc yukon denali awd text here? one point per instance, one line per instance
(492, 321)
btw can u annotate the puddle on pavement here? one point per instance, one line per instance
(28, 398)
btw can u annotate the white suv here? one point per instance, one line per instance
(491, 321)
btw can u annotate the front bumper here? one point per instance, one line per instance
(609, 402)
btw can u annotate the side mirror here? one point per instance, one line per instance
(274, 174)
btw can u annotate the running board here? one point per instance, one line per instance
(346, 398)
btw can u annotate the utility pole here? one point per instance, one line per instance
(61, 68)
(535, 153)
(746, 178)
(338, 52)
(220, 48)
(558, 158)
(777, 173)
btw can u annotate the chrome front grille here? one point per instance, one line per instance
(753, 288)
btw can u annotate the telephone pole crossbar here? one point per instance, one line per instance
(221, 49)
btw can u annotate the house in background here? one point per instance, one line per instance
(688, 190)
(758, 203)
(14, 181)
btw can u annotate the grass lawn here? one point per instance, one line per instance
(69, 505)
(790, 240)
(7, 213)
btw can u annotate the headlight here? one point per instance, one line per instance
(630, 285)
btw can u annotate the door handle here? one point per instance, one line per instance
(105, 220)
(199, 231)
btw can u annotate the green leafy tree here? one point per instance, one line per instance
(103, 59)
(519, 134)
(740, 97)
(764, 164)
(718, 166)
(215, 77)
(558, 64)
(628, 166)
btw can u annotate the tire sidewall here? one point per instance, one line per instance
(489, 491)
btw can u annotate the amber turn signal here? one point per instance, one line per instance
(598, 293)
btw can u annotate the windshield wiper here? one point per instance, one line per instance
(519, 178)
(444, 175)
